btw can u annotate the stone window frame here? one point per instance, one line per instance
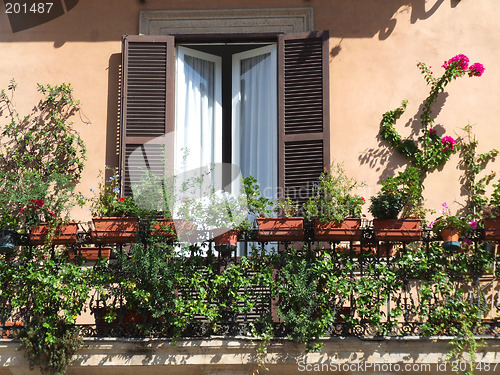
(226, 21)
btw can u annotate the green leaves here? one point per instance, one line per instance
(50, 295)
(41, 156)
(334, 199)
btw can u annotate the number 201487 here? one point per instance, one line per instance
(23, 8)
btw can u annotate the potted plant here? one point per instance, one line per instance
(45, 227)
(90, 252)
(223, 216)
(491, 216)
(335, 211)
(397, 208)
(114, 217)
(157, 199)
(286, 227)
(451, 228)
(226, 215)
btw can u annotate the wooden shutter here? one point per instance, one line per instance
(303, 116)
(147, 103)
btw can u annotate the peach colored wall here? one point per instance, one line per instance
(375, 46)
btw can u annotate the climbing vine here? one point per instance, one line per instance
(429, 150)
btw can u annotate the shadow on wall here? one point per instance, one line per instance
(89, 20)
(113, 118)
(365, 19)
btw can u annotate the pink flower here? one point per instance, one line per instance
(51, 213)
(473, 224)
(460, 61)
(22, 209)
(363, 199)
(467, 241)
(448, 143)
(476, 70)
(431, 224)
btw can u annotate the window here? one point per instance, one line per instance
(230, 117)
(279, 132)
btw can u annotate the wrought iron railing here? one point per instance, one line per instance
(396, 311)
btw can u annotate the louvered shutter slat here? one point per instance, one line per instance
(304, 119)
(147, 104)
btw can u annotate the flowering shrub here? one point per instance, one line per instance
(108, 202)
(476, 69)
(448, 143)
(460, 65)
(41, 158)
(36, 212)
(429, 150)
(449, 221)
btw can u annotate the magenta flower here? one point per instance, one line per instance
(460, 61)
(467, 241)
(448, 143)
(473, 224)
(432, 131)
(476, 70)
(431, 224)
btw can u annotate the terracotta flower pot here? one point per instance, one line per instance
(10, 329)
(129, 316)
(91, 253)
(492, 229)
(402, 230)
(64, 234)
(382, 250)
(227, 241)
(174, 230)
(280, 229)
(114, 229)
(450, 238)
(228, 238)
(347, 230)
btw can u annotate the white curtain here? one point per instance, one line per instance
(198, 129)
(255, 116)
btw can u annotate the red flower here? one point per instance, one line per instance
(52, 214)
(121, 199)
(363, 199)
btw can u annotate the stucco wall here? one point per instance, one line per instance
(374, 50)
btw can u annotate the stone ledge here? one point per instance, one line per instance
(238, 355)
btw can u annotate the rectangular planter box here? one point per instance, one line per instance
(64, 235)
(280, 229)
(347, 230)
(229, 238)
(492, 229)
(91, 253)
(10, 329)
(403, 230)
(114, 229)
(174, 230)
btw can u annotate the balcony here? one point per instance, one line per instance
(310, 293)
